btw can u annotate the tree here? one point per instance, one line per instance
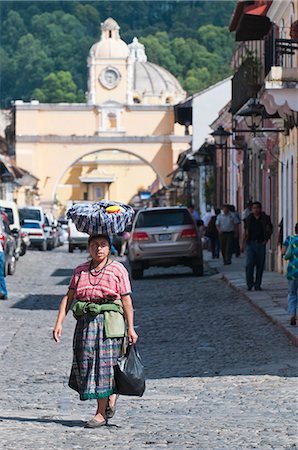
(57, 88)
(46, 37)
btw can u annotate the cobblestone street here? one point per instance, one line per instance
(219, 374)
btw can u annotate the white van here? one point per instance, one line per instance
(12, 213)
(32, 213)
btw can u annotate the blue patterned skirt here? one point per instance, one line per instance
(94, 356)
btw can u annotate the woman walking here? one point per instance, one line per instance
(101, 291)
(291, 244)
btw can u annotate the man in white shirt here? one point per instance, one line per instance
(226, 223)
(207, 216)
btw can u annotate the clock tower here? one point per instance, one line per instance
(107, 64)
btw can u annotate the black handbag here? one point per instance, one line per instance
(129, 375)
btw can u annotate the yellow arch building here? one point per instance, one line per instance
(122, 140)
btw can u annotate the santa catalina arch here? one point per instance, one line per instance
(123, 138)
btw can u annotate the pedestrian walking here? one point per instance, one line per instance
(124, 240)
(207, 216)
(212, 234)
(194, 213)
(257, 232)
(3, 288)
(236, 243)
(247, 210)
(100, 290)
(226, 223)
(290, 252)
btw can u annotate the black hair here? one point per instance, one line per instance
(257, 204)
(99, 236)
(296, 228)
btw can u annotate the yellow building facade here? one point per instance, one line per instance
(122, 140)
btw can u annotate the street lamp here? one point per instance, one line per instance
(254, 114)
(221, 136)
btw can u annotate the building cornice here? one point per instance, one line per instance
(103, 139)
(87, 107)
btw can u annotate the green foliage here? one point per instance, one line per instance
(42, 39)
(57, 88)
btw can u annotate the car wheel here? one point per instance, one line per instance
(50, 247)
(70, 248)
(198, 271)
(11, 265)
(137, 274)
(43, 247)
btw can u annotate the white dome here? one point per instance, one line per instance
(152, 80)
(110, 44)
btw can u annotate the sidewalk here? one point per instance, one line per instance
(271, 301)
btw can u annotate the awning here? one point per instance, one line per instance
(280, 93)
(250, 21)
(183, 112)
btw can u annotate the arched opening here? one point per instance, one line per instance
(112, 121)
(109, 174)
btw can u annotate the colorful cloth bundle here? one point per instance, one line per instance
(105, 217)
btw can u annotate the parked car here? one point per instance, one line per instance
(12, 213)
(25, 242)
(36, 233)
(9, 246)
(76, 239)
(164, 237)
(51, 233)
(32, 213)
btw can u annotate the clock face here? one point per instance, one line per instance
(110, 77)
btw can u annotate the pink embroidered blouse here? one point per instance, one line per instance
(112, 282)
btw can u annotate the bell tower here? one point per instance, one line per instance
(107, 65)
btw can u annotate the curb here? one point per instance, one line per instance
(264, 304)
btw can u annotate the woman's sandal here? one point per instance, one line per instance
(93, 423)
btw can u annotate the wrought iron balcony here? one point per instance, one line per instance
(254, 61)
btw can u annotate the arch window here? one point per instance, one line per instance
(112, 121)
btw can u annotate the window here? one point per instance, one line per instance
(112, 121)
(33, 214)
(98, 194)
(164, 218)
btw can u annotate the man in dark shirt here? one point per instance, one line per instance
(258, 230)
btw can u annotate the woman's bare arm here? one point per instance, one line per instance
(63, 310)
(128, 312)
